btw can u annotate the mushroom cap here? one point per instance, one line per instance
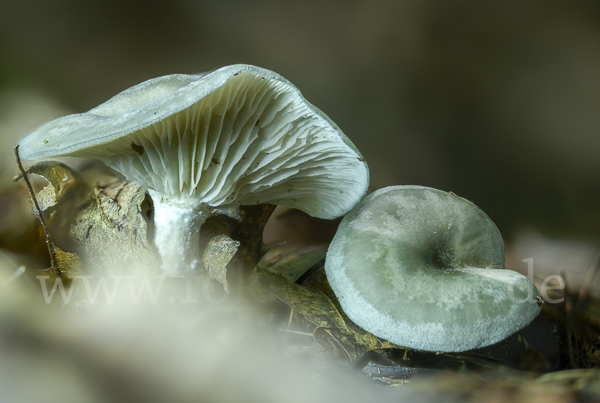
(238, 135)
(424, 269)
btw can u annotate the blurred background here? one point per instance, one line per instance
(495, 101)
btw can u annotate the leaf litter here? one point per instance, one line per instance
(111, 228)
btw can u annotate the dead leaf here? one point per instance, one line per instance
(65, 186)
(62, 263)
(318, 309)
(311, 303)
(64, 194)
(338, 342)
(112, 233)
(68, 263)
(292, 266)
(59, 175)
(368, 341)
(217, 254)
(234, 245)
(249, 233)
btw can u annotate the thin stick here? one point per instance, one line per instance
(49, 242)
(297, 332)
(289, 324)
(587, 283)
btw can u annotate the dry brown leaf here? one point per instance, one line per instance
(68, 263)
(292, 266)
(217, 254)
(69, 192)
(368, 341)
(64, 194)
(112, 233)
(59, 175)
(234, 245)
(318, 309)
(250, 233)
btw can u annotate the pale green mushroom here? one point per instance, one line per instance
(424, 269)
(239, 135)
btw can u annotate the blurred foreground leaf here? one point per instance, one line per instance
(585, 382)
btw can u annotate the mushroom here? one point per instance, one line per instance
(239, 135)
(424, 269)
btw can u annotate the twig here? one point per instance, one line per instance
(49, 242)
(18, 273)
(289, 324)
(297, 332)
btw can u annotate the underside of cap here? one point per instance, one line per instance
(239, 135)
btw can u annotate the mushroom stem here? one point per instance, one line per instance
(177, 234)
